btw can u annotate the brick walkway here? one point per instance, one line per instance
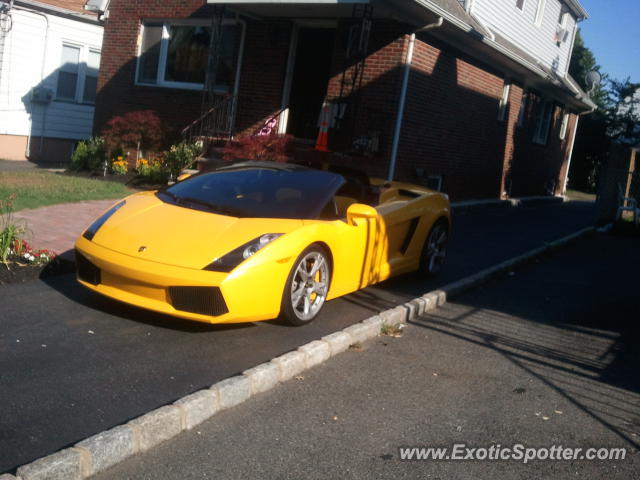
(57, 227)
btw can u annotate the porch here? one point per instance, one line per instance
(287, 63)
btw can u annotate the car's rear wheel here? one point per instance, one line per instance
(307, 287)
(434, 250)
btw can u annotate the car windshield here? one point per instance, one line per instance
(257, 192)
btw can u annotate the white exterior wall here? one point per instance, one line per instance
(519, 27)
(28, 62)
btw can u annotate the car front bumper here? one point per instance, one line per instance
(200, 295)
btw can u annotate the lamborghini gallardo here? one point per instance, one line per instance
(260, 240)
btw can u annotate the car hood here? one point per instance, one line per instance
(147, 228)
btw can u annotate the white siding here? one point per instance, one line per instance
(519, 27)
(28, 62)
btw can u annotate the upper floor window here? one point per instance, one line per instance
(562, 31)
(78, 74)
(176, 54)
(540, 12)
(520, 4)
(543, 122)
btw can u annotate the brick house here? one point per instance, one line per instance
(468, 96)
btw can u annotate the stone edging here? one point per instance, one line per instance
(106, 449)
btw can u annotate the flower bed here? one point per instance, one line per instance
(19, 261)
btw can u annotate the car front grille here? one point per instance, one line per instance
(200, 300)
(87, 271)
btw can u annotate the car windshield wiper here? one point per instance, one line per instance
(234, 212)
(170, 195)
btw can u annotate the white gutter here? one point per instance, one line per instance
(403, 96)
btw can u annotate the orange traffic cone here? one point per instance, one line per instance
(322, 144)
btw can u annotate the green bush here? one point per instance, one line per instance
(181, 156)
(89, 155)
(153, 171)
(10, 231)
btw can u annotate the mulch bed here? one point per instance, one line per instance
(19, 272)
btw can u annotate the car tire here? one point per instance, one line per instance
(434, 249)
(307, 287)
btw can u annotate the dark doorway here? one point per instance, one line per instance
(310, 79)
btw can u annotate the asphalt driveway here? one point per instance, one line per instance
(73, 364)
(547, 356)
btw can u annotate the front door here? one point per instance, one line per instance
(310, 79)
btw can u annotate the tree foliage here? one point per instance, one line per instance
(584, 61)
(616, 119)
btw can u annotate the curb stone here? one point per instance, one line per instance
(101, 451)
(197, 407)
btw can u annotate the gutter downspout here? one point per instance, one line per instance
(403, 96)
(573, 142)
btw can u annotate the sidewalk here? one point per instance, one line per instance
(544, 357)
(57, 227)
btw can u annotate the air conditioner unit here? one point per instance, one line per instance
(41, 95)
(562, 35)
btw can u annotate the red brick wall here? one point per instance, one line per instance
(375, 104)
(536, 169)
(451, 125)
(450, 128)
(261, 80)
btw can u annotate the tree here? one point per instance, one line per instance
(623, 112)
(592, 143)
(584, 61)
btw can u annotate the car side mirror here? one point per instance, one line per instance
(360, 210)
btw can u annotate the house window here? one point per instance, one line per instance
(520, 4)
(563, 126)
(563, 17)
(91, 77)
(78, 74)
(176, 54)
(562, 32)
(504, 101)
(540, 12)
(523, 108)
(543, 123)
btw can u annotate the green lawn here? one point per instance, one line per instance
(37, 188)
(580, 196)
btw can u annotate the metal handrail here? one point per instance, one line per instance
(217, 122)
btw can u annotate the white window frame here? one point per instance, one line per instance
(543, 125)
(504, 101)
(82, 72)
(564, 125)
(540, 10)
(164, 49)
(523, 107)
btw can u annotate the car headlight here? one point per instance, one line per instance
(95, 226)
(234, 258)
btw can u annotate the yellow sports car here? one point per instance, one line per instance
(260, 240)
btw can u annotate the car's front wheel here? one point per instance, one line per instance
(307, 287)
(435, 249)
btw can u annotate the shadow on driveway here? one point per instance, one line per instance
(571, 322)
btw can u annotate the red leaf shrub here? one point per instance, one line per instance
(142, 128)
(274, 148)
